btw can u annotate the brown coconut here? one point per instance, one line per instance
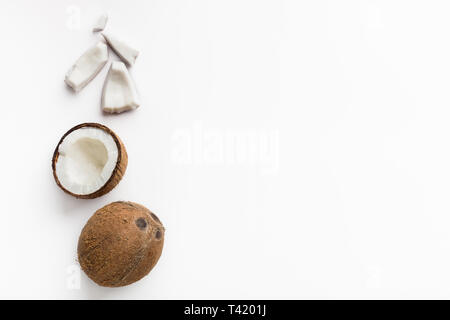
(117, 174)
(120, 244)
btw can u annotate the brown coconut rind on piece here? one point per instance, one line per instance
(120, 244)
(117, 174)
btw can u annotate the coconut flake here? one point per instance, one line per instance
(124, 51)
(119, 93)
(87, 67)
(86, 161)
(101, 23)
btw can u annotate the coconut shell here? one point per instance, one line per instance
(117, 174)
(120, 244)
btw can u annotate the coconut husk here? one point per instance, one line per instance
(120, 244)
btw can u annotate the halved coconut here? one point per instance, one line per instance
(89, 161)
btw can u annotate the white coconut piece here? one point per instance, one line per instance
(87, 66)
(100, 23)
(86, 161)
(119, 92)
(124, 51)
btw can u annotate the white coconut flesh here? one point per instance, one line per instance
(87, 158)
(101, 23)
(124, 51)
(119, 92)
(87, 67)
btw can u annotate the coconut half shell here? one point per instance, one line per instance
(120, 244)
(89, 161)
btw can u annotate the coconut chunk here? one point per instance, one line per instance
(100, 24)
(124, 51)
(89, 161)
(119, 92)
(87, 66)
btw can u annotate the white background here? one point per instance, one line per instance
(340, 188)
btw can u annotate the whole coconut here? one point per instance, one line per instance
(120, 244)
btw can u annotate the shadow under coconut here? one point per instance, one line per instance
(69, 90)
(92, 291)
(68, 203)
(64, 202)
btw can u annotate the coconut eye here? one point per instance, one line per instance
(158, 234)
(141, 223)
